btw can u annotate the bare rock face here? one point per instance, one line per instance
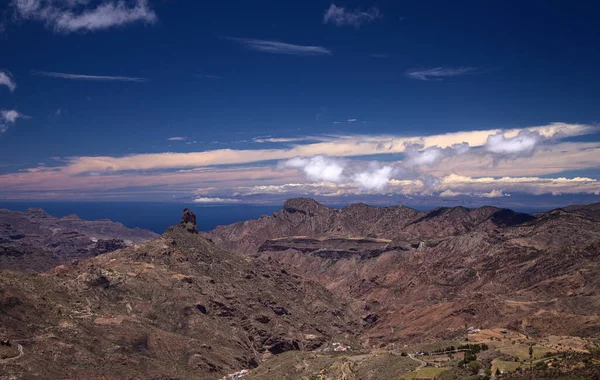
(188, 220)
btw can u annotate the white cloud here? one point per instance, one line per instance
(351, 120)
(531, 185)
(77, 15)
(318, 168)
(375, 179)
(522, 145)
(7, 80)
(492, 194)
(177, 138)
(341, 16)
(99, 78)
(8, 117)
(281, 139)
(277, 47)
(333, 146)
(210, 200)
(416, 155)
(439, 73)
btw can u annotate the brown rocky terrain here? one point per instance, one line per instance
(176, 307)
(34, 241)
(443, 269)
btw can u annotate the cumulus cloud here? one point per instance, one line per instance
(318, 168)
(376, 178)
(340, 16)
(439, 73)
(278, 47)
(67, 16)
(177, 138)
(97, 78)
(211, 200)
(521, 145)
(416, 155)
(7, 80)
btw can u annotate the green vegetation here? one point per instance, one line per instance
(426, 372)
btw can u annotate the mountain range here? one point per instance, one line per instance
(309, 292)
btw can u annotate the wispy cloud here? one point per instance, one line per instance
(98, 78)
(9, 117)
(77, 15)
(439, 73)
(277, 47)
(177, 138)
(334, 146)
(281, 139)
(7, 80)
(341, 16)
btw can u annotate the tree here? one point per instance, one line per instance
(474, 367)
(530, 360)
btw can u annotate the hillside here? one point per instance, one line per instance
(435, 272)
(34, 241)
(174, 307)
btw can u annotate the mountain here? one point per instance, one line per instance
(428, 274)
(34, 241)
(176, 307)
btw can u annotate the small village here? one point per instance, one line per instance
(487, 353)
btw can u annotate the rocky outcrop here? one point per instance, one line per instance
(108, 245)
(188, 220)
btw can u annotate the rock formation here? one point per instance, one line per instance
(188, 220)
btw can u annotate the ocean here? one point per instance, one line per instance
(148, 215)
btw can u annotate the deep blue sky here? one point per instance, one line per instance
(529, 63)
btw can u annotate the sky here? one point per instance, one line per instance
(388, 102)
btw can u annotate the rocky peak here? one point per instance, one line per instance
(188, 220)
(37, 213)
(307, 206)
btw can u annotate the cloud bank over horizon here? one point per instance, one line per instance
(480, 164)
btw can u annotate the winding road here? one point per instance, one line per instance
(421, 362)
